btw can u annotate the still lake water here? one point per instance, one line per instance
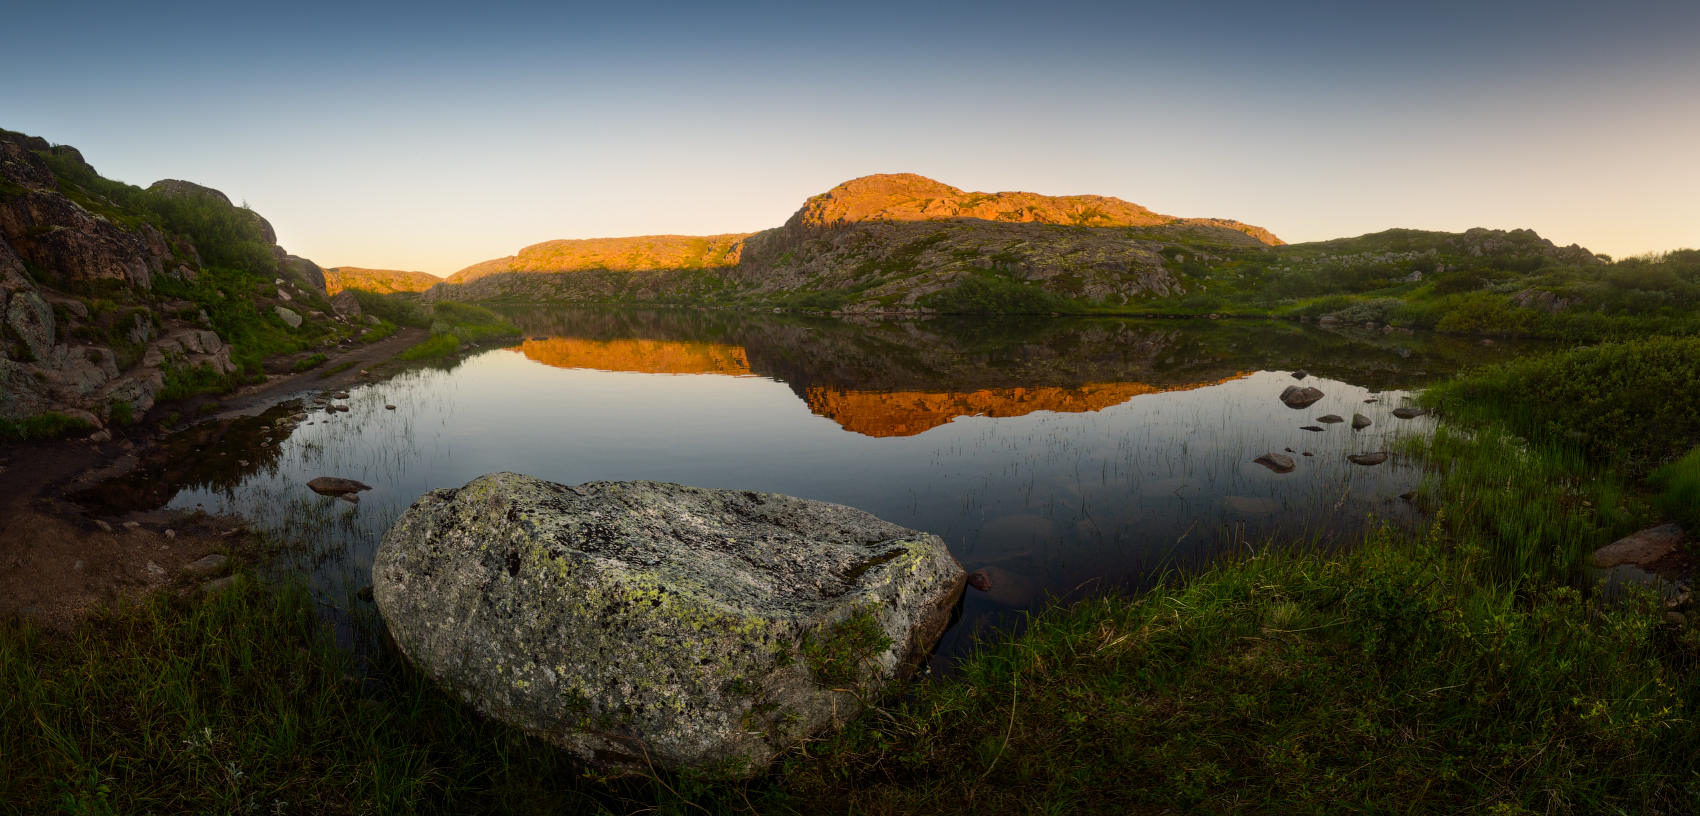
(1059, 455)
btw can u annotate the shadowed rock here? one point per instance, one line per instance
(1368, 458)
(633, 623)
(1641, 548)
(1409, 413)
(1360, 422)
(1331, 419)
(1280, 463)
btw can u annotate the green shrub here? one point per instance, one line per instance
(189, 381)
(470, 323)
(1679, 486)
(390, 308)
(50, 425)
(121, 413)
(308, 362)
(382, 331)
(994, 295)
(1636, 403)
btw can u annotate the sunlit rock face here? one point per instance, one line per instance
(907, 413)
(646, 356)
(641, 624)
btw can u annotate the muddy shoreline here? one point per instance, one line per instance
(62, 554)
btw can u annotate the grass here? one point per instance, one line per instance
(188, 381)
(470, 323)
(382, 331)
(1679, 489)
(50, 425)
(309, 362)
(437, 346)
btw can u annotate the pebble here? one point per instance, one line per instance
(131, 525)
(389, 407)
(104, 527)
(171, 534)
(1368, 458)
(155, 569)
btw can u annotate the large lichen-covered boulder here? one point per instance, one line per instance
(642, 624)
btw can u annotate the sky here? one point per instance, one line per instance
(430, 137)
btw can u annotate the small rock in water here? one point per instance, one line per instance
(1297, 397)
(104, 527)
(1641, 548)
(1308, 453)
(979, 580)
(1368, 458)
(1300, 374)
(351, 498)
(1310, 428)
(1409, 413)
(1370, 401)
(1330, 419)
(340, 395)
(335, 486)
(1289, 450)
(389, 407)
(1360, 422)
(1280, 463)
(365, 593)
(1410, 497)
(342, 408)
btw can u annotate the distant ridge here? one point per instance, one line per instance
(382, 281)
(883, 241)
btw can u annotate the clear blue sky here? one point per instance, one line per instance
(428, 136)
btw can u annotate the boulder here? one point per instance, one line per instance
(289, 316)
(1360, 422)
(333, 486)
(1280, 463)
(1641, 548)
(1300, 396)
(641, 624)
(345, 304)
(1409, 413)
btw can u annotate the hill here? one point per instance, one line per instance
(381, 281)
(877, 243)
(114, 297)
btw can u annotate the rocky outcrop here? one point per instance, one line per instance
(640, 625)
(48, 229)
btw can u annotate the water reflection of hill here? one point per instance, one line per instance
(903, 377)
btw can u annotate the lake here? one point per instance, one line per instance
(1060, 455)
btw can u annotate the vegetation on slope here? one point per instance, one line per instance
(380, 281)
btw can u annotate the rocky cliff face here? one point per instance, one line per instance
(83, 328)
(381, 281)
(890, 239)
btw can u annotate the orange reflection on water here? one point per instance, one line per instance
(645, 356)
(906, 413)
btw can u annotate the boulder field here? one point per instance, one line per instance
(642, 624)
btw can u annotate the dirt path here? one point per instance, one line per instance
(57, 560)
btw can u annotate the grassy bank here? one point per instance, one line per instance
(1468, 668)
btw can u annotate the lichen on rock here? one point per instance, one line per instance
(642, 624)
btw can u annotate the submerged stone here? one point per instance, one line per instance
(640, 624)
(1409, 413)
(1368, 458)
(1640, 548)
(1360, 422)
(1331, 419)
(334, 486)
(1280, 463)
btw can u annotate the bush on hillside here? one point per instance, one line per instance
(392, 309)
(1635, 403)
(987, 295)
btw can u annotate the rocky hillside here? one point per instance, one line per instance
(878, 243)
(113, 296)
(380, 281)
